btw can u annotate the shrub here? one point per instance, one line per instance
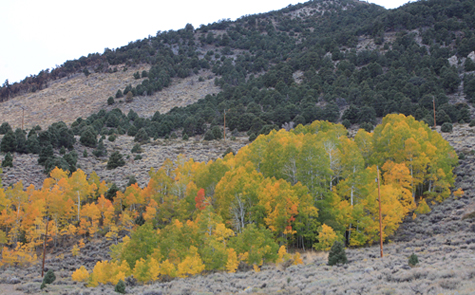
(252, 137)
(136, 149)
(141, 136)
(209, 135)
(129, 97)
(115, 160)
(185, 136)
(84, 154)
(132, 180)
(120, 287)
(62, 150)
(132, 131)
(446, 127)
(337, 254)
(217, 132)
(472, 123)
(48, 279)
(110, 100)
(413, 260)
(100, 151)
(346, 123)
(8, 160)
(367, 126)
(138, 157)
(112, 137)
(88, 138)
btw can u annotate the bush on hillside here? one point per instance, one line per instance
(115, 160)
(446, 127)
(337, 254)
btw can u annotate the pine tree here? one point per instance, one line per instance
(141, 136)
(115, 160)
(120, 287)
(413, 260)
(8, 142)
(337, 254)
(88, 137)
(45, 154)
(32, 144)
(8, 160)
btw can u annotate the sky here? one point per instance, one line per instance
(37, 35)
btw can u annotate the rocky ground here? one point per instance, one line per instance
(443, 240)
(26, 168)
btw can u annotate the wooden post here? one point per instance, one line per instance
(224, 129)
(380, 217)
(433, 103)
(44, 249)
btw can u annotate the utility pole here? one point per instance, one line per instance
(433, 103)
(380, 218)
(23, 116)
(44, 249)
(224, 129)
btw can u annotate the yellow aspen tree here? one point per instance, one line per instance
(191, 265)
(232, 262)
(296, 259)
(153, 268)
(80, 275)
(141, 271)
(168, 269)
(150, 211)
(283, 256)
(326, 238)
(458, 193)
(75, 250)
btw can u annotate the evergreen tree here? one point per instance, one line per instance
(88, 138)
(48, 279)
(120, 287)
(141, 136)
(413, 260)
(111, 192)
(20, 141)
(7, 161)
(45, 154)
(337, 254)
(5, 127)
(32, 144)
(110, 100)
(8, 142)
(115, 160)
(100, 151)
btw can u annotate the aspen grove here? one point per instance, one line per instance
(302, 188)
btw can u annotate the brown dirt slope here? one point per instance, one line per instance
(79, 96)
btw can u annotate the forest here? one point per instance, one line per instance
(294, 81)
(303, 188)
(255, 59)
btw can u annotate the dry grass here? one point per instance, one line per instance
(80, 96)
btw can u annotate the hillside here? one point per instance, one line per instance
(442, 239)
(309, 96)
